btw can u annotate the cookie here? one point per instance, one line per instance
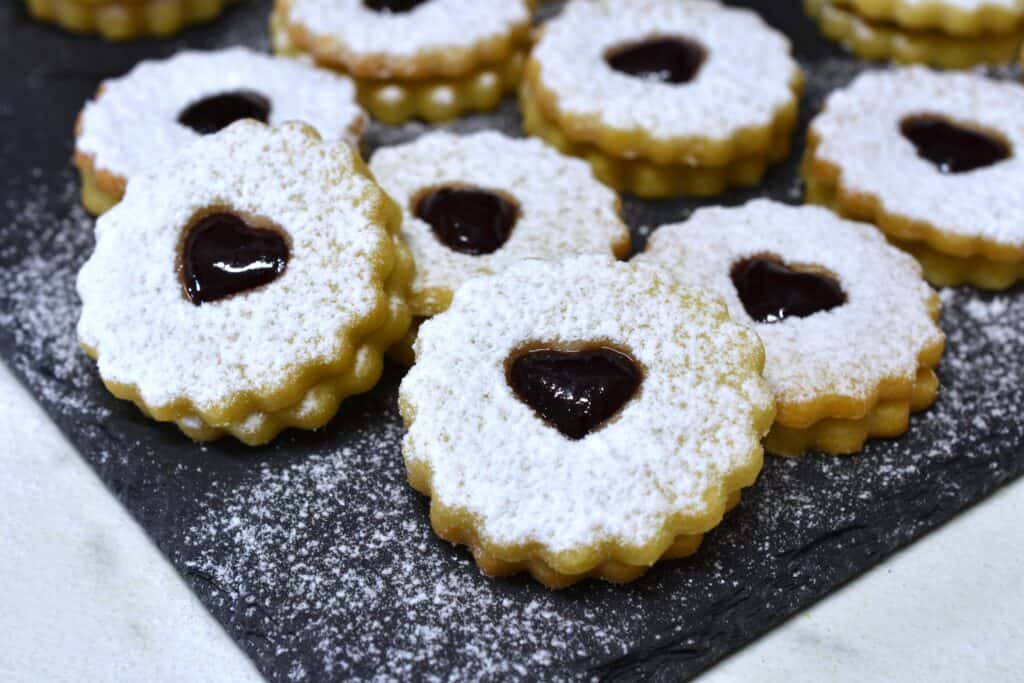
(663, 97)
(247, 284)
(885, 40)
(432, 60)
(582, 418)
(477, 204)
(126, 19)
(848, 325)
(930, 159)
(159, 107)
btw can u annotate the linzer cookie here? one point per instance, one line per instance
(951, 34)
(247, 284)
(582, 418)
(159, 107)
(663, 97)
(847, 322)
(933, 160)
(125, 19)
(477, 204)
(428, 59)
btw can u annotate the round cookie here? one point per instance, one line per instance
(159, 107)
(847, 322)
(582, 418)
(932, 160)
(429, 59)
(476, 204)
(126, 19)
(247, 284)
(664, 97)
(872, 38)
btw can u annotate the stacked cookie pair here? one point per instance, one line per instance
(663, 98)
(412, 58)
(953, 34)
(932, 160)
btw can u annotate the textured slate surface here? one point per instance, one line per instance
(317, 557)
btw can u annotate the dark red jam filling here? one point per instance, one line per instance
(393, 6)
(575, 392)
(223, 255)
(666, 60)
(217, 112)
(952, 148)
(771, 291)
(468, 220)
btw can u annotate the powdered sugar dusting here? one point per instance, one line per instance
(859, 133)
(742, 84)
(563, 210)
(40, 305)
(879, 333)
(134, 121)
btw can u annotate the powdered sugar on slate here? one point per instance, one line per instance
(319, 559)
(330, 558)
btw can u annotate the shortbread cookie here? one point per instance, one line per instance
(847, 322)
(582, 418)
(159, 107)
(125, 19)
(872, 39)
(663, 97)
(248, 284)
(477, 204)
(428, 59)
(931, 159)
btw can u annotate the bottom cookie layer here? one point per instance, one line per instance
(125, 19)
(946, 270)
(614, 571)
(95, 199)
(649, 179)
(941, 268)
(888, 419)
(882, 41)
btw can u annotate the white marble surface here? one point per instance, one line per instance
(84, 595)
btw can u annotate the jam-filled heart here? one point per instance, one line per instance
(222, 255)
(216, 112)
(574, 391)
(468, 220)
(771, 291)
(393, 6)
(666, 60)
(952, 148)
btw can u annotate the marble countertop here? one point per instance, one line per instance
(84, 595)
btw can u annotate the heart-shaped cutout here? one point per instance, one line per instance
(217, 112)
(393, 6)
(771, 291)
(222, 255)
(664, 60)
(574, 391)
(468, 220)
(952, 148)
